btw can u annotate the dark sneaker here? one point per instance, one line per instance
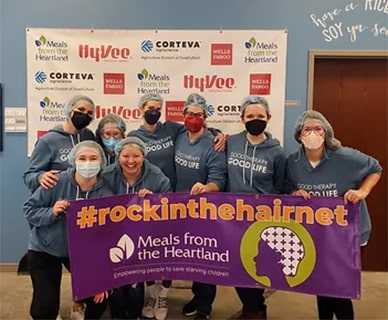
(201, 316)
(190, 308)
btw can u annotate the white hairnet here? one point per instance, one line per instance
(86, 145)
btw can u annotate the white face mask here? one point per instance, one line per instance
(88, 169)
(313, 141)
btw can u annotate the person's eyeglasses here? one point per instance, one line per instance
(306, 130)
(194, 114)
(110, 134)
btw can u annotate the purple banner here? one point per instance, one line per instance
(245, 240)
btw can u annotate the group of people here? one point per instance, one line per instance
(70, 162)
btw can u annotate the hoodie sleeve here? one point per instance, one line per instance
(38, 209)
(216, 168)
(365, 165)
(165, 185)
(39, 163)
(280, 172)
(289, 184)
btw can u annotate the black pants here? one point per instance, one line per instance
(204, 294)
(127, 302)
(341, 308)
(252, 299)
(46, 276)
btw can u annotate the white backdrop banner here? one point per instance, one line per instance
(116, 67)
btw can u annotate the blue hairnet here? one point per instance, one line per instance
(111, 118)
(330, 141)
(131, 141)
(86, 145)
(71, 104)
(255, 100)
(148, 97)
(196, 99)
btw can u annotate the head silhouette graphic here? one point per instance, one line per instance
(278, 254)
(283, 252)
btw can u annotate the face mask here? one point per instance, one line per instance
(80, 120)
(194, 124)
(256, 126)
(88, 169)
(110, 143)
(152, 116)
(313, 141)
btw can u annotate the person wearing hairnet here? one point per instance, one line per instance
(110, 130)
(50, 154)
(48, 249)
(339, 171)
(256, 164)
(199, 169)
(132, 173)
(160, 139)
(51, 151)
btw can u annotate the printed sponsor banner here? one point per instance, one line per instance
(116, 67)
(244, 240)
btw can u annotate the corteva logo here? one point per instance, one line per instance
(168, 45)
(123, 250)
(210, 110)
(207, 82)
(43, 42)
(177, 44)
(62, 77)
(103, 52)
(146, 46)
(40, 76)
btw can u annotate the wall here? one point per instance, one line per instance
(337, 24)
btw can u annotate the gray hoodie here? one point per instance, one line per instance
(197, 161)
(151, 178)
(48, 232)
(51, 153)
(337, 172)
(255, 168)
(160, 145)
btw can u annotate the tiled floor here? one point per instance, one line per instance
(15, 296)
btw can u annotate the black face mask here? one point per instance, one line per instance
(152, 116)
(80, 120)
(256, 126)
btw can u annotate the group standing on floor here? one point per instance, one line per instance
(70, 163)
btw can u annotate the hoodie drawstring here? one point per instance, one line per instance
(245, 157)
(78, 196)
(133, 189)
(252, 163)
(72, 139)
(253, 160)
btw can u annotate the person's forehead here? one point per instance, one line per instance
(110, 126)
(87, 152)
(312, 123)
(255, 108)
(153, 103)
(195, 109)
(83, 103)
(131, 148)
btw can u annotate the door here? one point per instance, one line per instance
(352, 94)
